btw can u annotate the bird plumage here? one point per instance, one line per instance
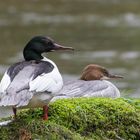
(91, 84)
(34, 81)
(27, 79)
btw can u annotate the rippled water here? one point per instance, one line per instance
(103, 32)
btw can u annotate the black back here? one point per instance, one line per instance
(39, 67)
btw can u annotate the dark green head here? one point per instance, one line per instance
(40, 44)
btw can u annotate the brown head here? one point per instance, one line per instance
(97, 72)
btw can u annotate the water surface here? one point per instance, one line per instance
(103, 32)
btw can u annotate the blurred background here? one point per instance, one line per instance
(106, 32)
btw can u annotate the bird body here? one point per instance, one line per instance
(30, 81)
(34, 81)
(91, 84)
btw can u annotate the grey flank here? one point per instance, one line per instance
(80, 88)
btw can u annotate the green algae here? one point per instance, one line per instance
(78, 119)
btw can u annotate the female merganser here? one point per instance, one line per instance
(91, 84)
(33, 82)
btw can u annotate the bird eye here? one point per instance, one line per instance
(106, 73)
(49, 43)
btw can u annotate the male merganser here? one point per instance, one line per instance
(93, 83)
(33, 82)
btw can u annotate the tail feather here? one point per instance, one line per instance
(16, 99)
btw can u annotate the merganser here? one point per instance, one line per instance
(33, 82)
(93, 83)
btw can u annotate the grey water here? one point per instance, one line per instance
(102, 32)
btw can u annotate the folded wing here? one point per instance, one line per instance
(29, 79)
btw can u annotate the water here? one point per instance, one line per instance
(103, 32)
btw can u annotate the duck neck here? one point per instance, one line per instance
(31, 55)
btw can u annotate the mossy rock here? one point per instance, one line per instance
(99, 116)
(77, 119)
(25, 129)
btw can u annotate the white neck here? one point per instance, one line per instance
(46, 59)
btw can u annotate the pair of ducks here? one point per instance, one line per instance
(36, 81)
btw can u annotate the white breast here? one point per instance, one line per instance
(50, 82)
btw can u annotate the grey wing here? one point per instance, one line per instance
(102, 89)
(16, 93)
(79, 88)
(69, 90)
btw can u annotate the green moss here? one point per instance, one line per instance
(105, 117)
(79, 118)
(36, 129)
